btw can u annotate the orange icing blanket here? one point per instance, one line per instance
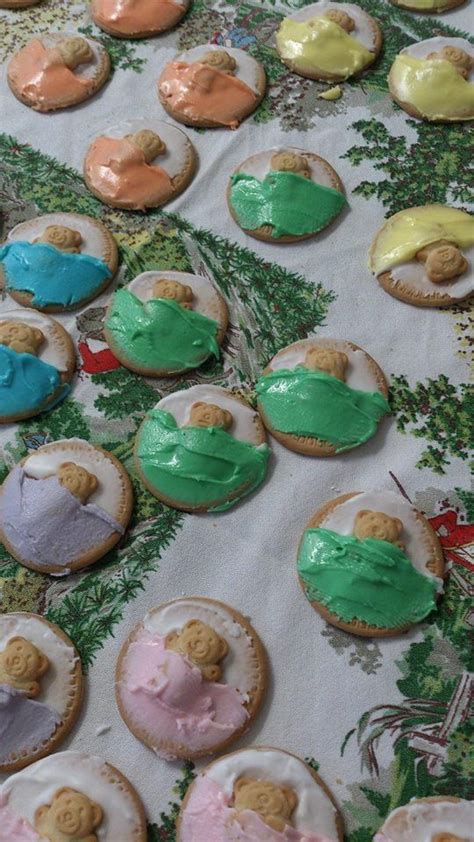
(40, 73)
(116, 167)
(138, 15)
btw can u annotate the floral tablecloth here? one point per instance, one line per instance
(382, 720)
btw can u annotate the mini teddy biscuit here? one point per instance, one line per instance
(37, 361)
(58, 70)
(72, 797)
(58, 262)
(370, 564)
(64, 506)
(139, 164)
(433, 80)
(329, 41)
(256, 793)
(40, 689)
(165, 323)
(210, 86)
(137, 18)
(207, 669)
(321, 397)
(285, 195)
(443, 818)
(201, 449)
(425, 256)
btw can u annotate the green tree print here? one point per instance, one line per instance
(436, 411)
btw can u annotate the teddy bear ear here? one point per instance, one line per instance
(97, 814)
(43, 664)
(198, 405)
(228, 417)
(399, 524)
(15, 640)
(240, 784)
(171, 638)
(38, 335)
(223, 648)
(188, 293)
(290, 797)
(191, 623)
(40, 812)
(363, 513)
(65, 790)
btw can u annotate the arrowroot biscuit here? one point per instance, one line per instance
(57, 262)
(164, 323)
(58, 70)
(40, 689)
(431, 7)
(190, 678)
(255, 794)
(371, 564)
(425, 256)
(320, 397)
(37, 361)
(64, 506)
(441, 818)
(71, 797)
(139, 164)
(329, 41)
(284, 195)
(212, 86)
(137, 18)
(434, 80)
(201, 449)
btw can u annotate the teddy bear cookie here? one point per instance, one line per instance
(210, 86)
(371, 564)
(320, 397)
(329, 41)
(58, 70)
(37, 361)
(284, 195)
(137, 18)
(201, 449)
(140, 164)
(425, 255)
(164, 323)
(259, 794)
(441, 818)
(434, 80)
(432, 7)
(64, 506)
(71, 797)
(190, 678)
(57, 262)
(40, 689)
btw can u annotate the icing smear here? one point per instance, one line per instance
(167, 697)
(42, 77)
(408, 231)
(46, 524)
(208, 815)
(117, 169)
(203, 92)
(433, 86)
(13, 828)
(27, 382)
(52, 276)
(320, 44)
(369, 580)
(132, 16)
(25, 724)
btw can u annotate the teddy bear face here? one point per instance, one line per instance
(201, 645)
(77, 480)
(443, 261)
(220, 60)
(327, 360)
(290, 162)
(149, 142)
(209, 415)
(62, 238)
(369, 524)
(21, 665)
(70, 817)
(275, 803)
(75, 51)
(460, 60)
(21, 337)
(174, 291)
(341, 18)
